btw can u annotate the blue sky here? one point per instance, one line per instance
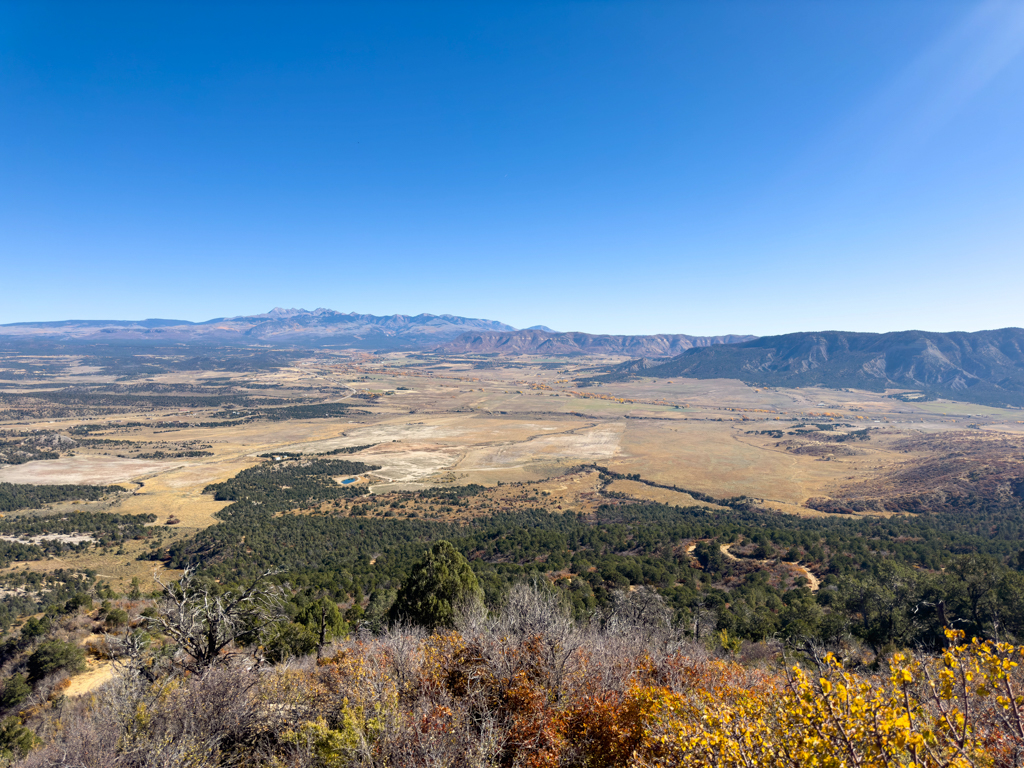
(613, 167)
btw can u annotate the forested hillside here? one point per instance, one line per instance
(317, 625)
(984, 367)
(880, 578)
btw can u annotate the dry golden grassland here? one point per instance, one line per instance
(438, 422)
(637, 490)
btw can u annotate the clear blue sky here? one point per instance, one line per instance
(617, 167)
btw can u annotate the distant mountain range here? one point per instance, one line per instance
(539, 342)
(293, 327)
(983, 367)
(327, 327)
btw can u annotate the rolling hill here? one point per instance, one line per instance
(983, 367)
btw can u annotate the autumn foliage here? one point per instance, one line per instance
(539, 691)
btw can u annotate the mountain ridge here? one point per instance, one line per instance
(538, 342)
(984, 367)
(297, 327)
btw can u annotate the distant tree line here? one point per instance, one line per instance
(14, 496)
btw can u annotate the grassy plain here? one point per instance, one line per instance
(434, 421)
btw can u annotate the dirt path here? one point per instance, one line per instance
(98, 673)
(814, 581)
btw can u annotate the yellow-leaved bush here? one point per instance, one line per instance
(957, 710)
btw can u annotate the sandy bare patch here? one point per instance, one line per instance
(89, 470)
(98, 673)
(67, 538)
(597, 443)
(378, 433)
(410, 466)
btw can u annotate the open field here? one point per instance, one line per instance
(433, 421)
(950, 408)
(95, 470)
(511, 420)
(637, 490)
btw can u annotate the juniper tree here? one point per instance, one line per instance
(436, 587)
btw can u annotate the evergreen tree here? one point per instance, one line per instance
(438, 583)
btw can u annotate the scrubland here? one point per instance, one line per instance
(531, 687)
(663, 566)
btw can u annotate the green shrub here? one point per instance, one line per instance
(53, 656)
(15, 691)
(81, 600)
(290, 640)
(116, 617)
(15, 739)
(35, 627)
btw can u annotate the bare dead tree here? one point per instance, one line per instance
(641, 613)
(703, 620)
(206, 623)
(530, 612)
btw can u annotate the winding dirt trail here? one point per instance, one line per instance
(814, 581)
